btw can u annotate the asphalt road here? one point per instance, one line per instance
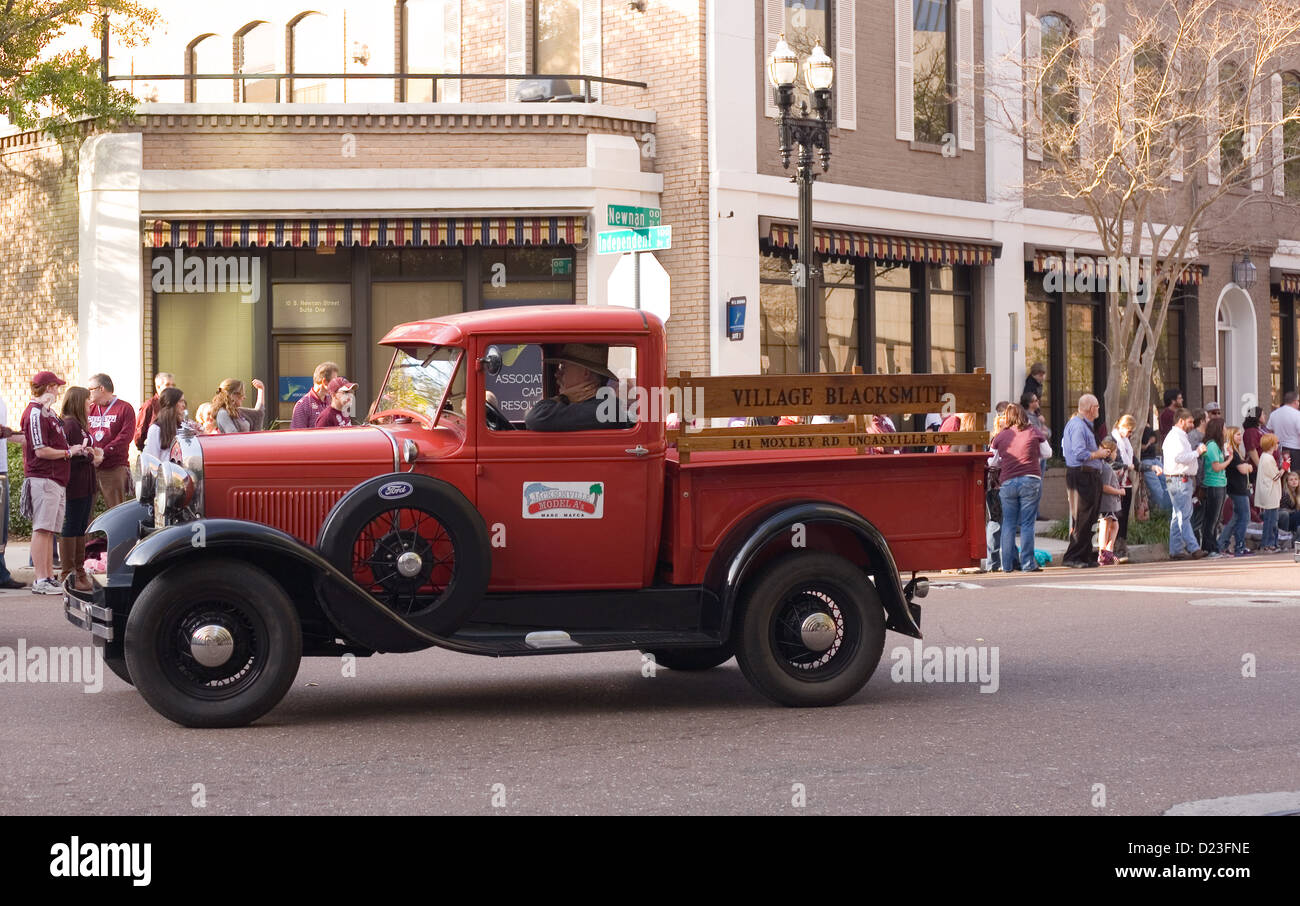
(1136, 686)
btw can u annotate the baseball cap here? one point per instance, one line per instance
(340, 383)
(1213, 407)
(46, 377)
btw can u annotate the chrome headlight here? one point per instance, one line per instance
(150, 467)
(173, 491)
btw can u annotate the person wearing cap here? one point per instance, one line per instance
(308, 410)
(341, 392)
(6, 580)
(581, 369)
(46, 457)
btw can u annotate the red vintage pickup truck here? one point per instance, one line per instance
(479, 510)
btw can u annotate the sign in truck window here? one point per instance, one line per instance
(518, 385)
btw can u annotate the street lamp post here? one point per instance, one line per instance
(811, 134)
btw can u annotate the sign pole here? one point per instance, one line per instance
(636, 275)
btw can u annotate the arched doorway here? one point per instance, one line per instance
(1236, 353)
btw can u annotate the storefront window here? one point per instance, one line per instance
(839, 317)
(396, 303)
(527, 275)
(1169, 356)
(893, 318)
(1080, 355)
(204, 338)
(1038, 347)
(779, 325)
(1275, 353)
(949, 303)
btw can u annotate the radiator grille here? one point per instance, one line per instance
(298, 512)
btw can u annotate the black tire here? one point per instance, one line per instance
(770, 647)
(369, 529)
(692, 659)
(267, 643)
(119, 668)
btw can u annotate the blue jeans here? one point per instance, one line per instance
(1156, 485)
(1237, 527)
(1270, 528)
(4, 520)
(1181, 536)
(1019, 508)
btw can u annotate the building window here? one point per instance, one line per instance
(839, 317)
(1066, 332)
(932, 69)
(255, 52)
(558, 37)
(204, 54)
(1038, 348)
(1060, 93)
(1232, 115)
(431, 43)
(1291, 133)
(311, 50)
(892, 317)
(527, 275)
(1168, 371)
(807, 24)
(778, 317)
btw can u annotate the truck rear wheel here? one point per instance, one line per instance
(812, 630)
(215, 643)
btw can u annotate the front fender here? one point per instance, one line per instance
(738, 556)
(120, 526)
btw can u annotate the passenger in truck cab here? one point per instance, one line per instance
(581, 369)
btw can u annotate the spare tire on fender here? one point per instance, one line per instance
(415, 544)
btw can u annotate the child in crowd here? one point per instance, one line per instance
(1112, 499)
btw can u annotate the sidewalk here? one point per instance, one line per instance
(16, 555)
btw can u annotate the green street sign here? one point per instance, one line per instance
(622, 215)
(616, 242)
(561, 267)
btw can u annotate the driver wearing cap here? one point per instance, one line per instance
(581, 370)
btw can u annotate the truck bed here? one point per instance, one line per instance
(930, 506)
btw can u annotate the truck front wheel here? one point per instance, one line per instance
(215, 643)
(812, 630)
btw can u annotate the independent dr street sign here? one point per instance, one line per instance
(615, 242)
(638, 218)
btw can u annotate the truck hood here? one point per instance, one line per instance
(304, 455)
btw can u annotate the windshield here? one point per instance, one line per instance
(419, 380)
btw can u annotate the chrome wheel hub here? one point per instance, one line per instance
(818, 631)
(409, 564)
(212, 644)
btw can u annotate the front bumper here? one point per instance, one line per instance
(87, 610)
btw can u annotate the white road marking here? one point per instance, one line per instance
(1168, 589)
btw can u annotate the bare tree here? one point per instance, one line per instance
(1156, 122)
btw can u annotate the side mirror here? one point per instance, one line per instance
(492, 361)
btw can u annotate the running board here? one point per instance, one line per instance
(557, 641)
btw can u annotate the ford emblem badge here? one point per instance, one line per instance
(395, 490)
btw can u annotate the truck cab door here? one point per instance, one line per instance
(574, 509)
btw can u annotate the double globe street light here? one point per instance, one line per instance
(811, 134)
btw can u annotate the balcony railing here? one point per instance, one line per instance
(532, 86)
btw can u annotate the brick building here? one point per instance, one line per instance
(368, 200)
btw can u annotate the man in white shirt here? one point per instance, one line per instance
(1180, 462)
(1285, 423)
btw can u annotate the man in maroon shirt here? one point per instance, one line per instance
(307, 411)
(1168, 415)
(112, 425)
(340, 390)
(149, 409)
(45, 465)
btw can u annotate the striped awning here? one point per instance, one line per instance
(837, 243)
(1291, 283)
(1085, 264)
(380, 231)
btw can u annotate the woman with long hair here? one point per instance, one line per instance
(80, 489)
(1019, 447)
(171, 412)
(1215, 462)
(231, 417)
(1238, 488)
(1123, 466)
